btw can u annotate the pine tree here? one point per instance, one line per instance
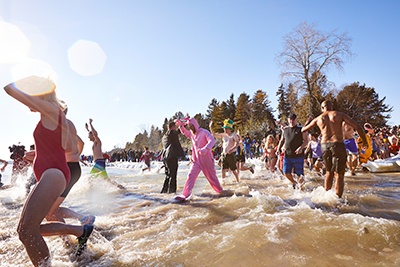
(231, 107)
(214, 102)
(283, 104)
(363, 105)
(243, 111)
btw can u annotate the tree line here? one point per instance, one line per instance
(306, 58)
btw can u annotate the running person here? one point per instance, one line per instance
(230, 141)
(333, 150)
(50, 168)
(99, 168)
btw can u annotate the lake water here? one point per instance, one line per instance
(266, 223)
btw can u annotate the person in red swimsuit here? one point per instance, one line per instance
(50, 168)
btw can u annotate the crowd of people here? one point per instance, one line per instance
(330, 144)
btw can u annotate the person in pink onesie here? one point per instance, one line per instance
(203, 160)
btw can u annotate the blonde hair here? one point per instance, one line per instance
(52, 98)
(268, 143)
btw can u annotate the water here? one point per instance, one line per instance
(267, 224)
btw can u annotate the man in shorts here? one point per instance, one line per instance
(99, 168)
(294, 143)
(230, 141)
(333, 150)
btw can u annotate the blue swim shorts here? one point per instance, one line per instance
(295, 165)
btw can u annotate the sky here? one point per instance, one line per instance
(130, 64)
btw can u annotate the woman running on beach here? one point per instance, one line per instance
(270, 152)
(50, 168)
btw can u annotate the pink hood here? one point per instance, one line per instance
(202, 141)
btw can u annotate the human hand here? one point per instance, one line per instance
(179, 122)
(203, 151)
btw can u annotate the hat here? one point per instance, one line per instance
(228, 123)
(293, 116)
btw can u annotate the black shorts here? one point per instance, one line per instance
(240, 158)
(228, 161)
(75, 169)
(334, 155)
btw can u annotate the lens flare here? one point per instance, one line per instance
(87, 58)
(42, 77)
(14, 45)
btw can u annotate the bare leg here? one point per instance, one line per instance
(329, 180)
(339, 185)
(273, 164)
(236, 174)
(37, 206)
(290, 177)
(58, 228)
(54, 214)
(223, 173)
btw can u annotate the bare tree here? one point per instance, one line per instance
(308, 52)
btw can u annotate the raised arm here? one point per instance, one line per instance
(32, 102)
(5, 163)
(94, 132)
(215, 135)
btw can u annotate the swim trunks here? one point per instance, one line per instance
(334, 155)
(228, 161)
(49, 151)
(351, 146)
(293, 165)
(99, 168)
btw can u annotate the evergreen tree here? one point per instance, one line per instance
(218, 116)
(363, 105)
(154, 139)
(283, 104)
(243, 111)
(141, 140)
(261, 110)
(231, 107)
(214, 103)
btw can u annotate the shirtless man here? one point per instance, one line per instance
(351, 147)
(100, 163)
(333, 150)
(99, 167)
(230, 141)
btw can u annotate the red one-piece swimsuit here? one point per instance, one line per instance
(49, 151)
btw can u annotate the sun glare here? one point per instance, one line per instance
(34, 67)
(87, 58)
(14, 45)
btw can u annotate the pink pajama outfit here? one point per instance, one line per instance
(202, 143)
